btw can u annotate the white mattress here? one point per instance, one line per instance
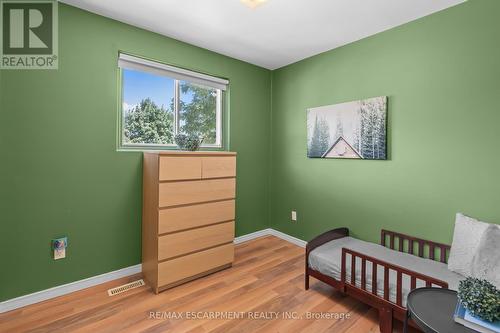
(327, 260)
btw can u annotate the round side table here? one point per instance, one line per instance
(432, 310)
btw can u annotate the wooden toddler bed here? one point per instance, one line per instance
(379, 275)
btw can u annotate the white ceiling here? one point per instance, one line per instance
(272, 35)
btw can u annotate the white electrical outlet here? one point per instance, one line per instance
(294, 215)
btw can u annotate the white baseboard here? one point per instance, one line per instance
(270, 232)
(288, 238)
(252, 235)
(64, 289)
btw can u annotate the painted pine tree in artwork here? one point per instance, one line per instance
(382, 130)
(339, 130)
(320, 139)
(370, 138)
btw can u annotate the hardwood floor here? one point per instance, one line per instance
(264, 285)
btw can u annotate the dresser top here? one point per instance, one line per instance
(191, 153)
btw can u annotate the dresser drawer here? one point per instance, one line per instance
(179, 243)
(186, 217)
(194, 265)
(217, 167)
(179, 168)
(190, 192)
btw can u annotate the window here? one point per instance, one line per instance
(160, 101)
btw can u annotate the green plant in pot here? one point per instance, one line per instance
(187, 142)
(480, 298)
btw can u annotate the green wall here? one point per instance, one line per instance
(442, 76)
(61, 173)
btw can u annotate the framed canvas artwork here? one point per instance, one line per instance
(354, 130)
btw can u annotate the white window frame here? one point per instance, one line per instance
(126, 61)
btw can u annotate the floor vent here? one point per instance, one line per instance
(126, 287)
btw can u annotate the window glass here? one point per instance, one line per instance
(147, 110)
(198, 111)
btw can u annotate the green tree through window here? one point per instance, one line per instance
(148, 123)
(198, 114)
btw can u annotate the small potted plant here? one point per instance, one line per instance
(187, 142)
(480, 298)
(480, 301)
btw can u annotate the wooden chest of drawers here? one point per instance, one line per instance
(188, 215)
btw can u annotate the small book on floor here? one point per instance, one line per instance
(463, 317)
